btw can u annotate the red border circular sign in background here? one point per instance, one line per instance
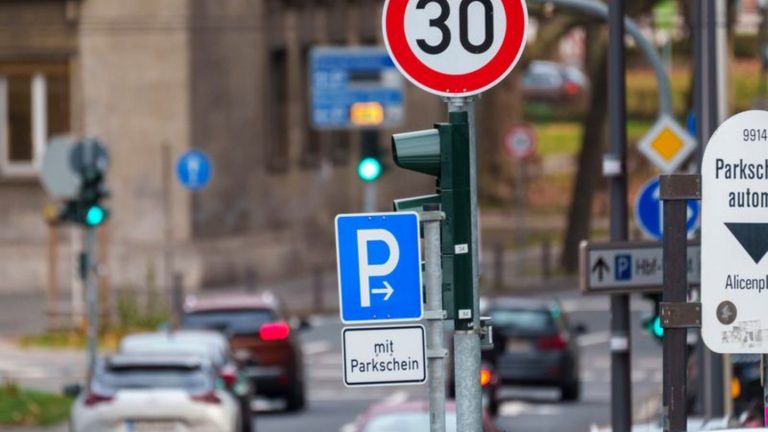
(443, 84)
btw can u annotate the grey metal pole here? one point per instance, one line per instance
(370, 197)
(87, 269)
(675, 291)
(621, 383)
(467, 343)
(707, 115)
(430, 219)
(520, 229)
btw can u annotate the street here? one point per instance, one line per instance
(333, 407)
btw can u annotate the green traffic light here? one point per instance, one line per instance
(656, 327)
(369, 169)
(95, 216)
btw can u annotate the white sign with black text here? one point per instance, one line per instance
(379, 356)
(734, 238)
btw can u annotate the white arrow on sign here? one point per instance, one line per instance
(388, 290)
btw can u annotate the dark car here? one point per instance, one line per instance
(548, 81)
(261, 338)
(534, 345)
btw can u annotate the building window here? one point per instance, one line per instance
(277, 147)
(34, 105)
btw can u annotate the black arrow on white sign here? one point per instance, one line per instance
(600, 267)
(753, 237)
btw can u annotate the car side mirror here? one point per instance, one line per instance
(72, 390)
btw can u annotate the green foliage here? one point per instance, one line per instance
(19, 407)
(132, 315)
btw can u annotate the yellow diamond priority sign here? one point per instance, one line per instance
(667, 144)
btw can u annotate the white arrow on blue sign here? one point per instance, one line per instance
(649, 213)
(379, 267)
(194, 170)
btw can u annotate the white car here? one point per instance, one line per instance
(130, 393)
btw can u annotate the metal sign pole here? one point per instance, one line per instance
(467, 342)
(675, 191)
(615, 164)
(87, 269)
(436, 352)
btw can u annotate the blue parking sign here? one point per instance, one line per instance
(379, 267)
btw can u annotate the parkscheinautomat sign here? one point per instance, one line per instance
(734, 278)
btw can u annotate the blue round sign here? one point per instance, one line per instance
(649, 211)
(194, 170)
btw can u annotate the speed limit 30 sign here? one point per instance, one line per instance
(455, 48)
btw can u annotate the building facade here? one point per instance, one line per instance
(153, 79)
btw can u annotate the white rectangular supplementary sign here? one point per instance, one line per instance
(630, 266)
(380, 356)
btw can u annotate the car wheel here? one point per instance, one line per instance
(296, 400)
(570, 391)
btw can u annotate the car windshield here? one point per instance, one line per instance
(230, 321)
(407, 422)
(525, 320)
(190, 378)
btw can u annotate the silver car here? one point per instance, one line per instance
(155, 393)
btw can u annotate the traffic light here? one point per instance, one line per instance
(369, 168)
(443, 152)
(90, 161)
(652, 323)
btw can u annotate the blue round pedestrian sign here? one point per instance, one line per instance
(649, 211)
(194, 170)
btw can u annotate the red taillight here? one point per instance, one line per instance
(209, 397)
(228, 374)
(485, 377)
(552, 343)
(275, 331)
(92, 399)
(571, 88)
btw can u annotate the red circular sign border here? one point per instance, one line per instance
(528, 130)
(462, 85)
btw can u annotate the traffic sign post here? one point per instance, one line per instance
(381, 356)
(379, 267)
(735, 236)
(629, 267)
(457, 50)
(520, 144)
(649, 213)
(194, 170)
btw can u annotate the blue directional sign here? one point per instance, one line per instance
(194, 170)
(649, 213)
(354, 88)
(379, 267)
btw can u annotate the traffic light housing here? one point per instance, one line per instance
(652, 323)
(370, 167)
(443, 152)
(90, 161)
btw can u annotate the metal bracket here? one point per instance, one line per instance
(680, 315)
(680, 187)
(437, 353)
(435, 315)
(432, 216)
